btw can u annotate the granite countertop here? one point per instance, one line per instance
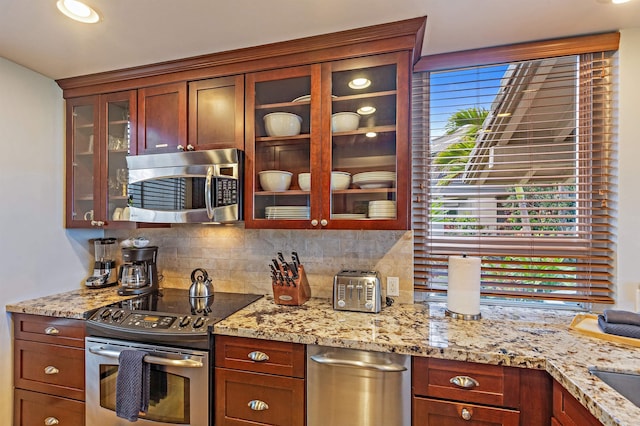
(77, 304)
(530, 338)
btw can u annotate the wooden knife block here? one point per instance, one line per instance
(290, 295)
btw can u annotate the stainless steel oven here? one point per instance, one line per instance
(175, 332)
(179, 391)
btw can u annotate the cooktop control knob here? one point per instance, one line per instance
(184, 321)
(198, 323)
(117, 315)
(105, 314)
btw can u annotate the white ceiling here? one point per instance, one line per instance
(137, 32)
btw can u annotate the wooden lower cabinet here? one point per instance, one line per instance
(567, 411)
(35, 408)
(259, 382)
(48, 376)
(451, 393)
(244, 398)
(431, 412)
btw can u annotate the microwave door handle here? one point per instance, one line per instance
(150, 359)
(207, 192)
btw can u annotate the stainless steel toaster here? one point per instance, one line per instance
(358, 291)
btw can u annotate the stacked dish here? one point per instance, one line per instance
(382, 209)
(287, 212)
(369, 180)
(348, 216)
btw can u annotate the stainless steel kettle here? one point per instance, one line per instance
(200, 284)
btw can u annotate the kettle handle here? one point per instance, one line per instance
(205, 276)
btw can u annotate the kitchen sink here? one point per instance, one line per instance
(627, 384)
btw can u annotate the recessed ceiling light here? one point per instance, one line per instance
(360, 83)
(78, 11)
(366, 110)
(613, 1)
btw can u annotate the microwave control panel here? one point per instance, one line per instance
(226, 191)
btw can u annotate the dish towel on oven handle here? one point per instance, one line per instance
(132, 384)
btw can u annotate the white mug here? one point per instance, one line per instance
(88, 215)
(117, 214)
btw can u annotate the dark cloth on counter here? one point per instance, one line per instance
(613, 316)
(132, 385)
(626, 330)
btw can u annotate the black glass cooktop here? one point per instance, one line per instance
(173, 301)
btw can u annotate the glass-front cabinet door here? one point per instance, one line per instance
(82, 161)
(119, 112)
(328, 145)
(282, 147)
(99, 137)
(367, 152)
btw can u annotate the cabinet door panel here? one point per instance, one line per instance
(60, 331)
(162, 118)
(32, 408)
(52, 369)
(428, 412)
(568, 411)
(258, 399)
(216, 113)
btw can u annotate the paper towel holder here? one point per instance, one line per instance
(466, 317)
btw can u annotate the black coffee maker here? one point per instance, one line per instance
(138, 273)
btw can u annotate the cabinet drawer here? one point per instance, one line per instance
(496, 385)
(428, 412)
(258, 399)
(53, 369)
(59, 331)
(262, 356)
(568, 411)
(33, 408)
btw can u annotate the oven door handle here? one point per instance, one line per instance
(187, 362)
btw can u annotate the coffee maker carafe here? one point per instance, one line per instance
(104, 265)
(138, 273)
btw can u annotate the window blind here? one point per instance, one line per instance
(515, 163)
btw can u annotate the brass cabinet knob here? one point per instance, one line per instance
(314, 222)
(466, 414)
(51, 331)
(324, 222)
(49, 421)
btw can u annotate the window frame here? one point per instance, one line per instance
(479, 57)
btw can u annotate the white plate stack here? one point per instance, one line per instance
(287, 212)
(370, 180)
(348, 216)
(382, 209)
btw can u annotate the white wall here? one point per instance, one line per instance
(37, 256)
(628, 254)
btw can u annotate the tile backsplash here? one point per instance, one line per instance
(238, 259)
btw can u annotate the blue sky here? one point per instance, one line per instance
(451, 91)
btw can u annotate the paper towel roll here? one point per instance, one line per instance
(463, 287)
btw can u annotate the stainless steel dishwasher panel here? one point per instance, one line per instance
(348, 387)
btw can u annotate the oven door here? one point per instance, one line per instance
(179, 393)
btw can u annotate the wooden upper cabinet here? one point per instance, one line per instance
(162, 118)
(216, 113)
(373, 153)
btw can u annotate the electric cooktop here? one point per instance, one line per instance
(169, 316)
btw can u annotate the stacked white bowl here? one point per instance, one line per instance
(340, 180)
(382, 209)
(282, 124)
(275, 180)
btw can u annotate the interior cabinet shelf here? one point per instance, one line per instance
(365, 130)
(293, 192)
(281, 139)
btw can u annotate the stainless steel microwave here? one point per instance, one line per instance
(186, 187)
